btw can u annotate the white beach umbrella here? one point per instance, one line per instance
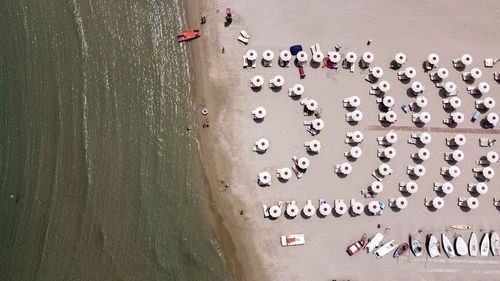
(459, 139)
(454, 171)
(262, 144)
(466, 59)
(354, 101)
(374, 207)
(417, 87)
(384, 86)
(438, 202)
(433, 59)
(298, 89)
(292, 210)
(285, 173)
(481, 188)
(376, 187)
(388, 101)
(384, 169)
(450, 87)
(443, 73)
(488, 173)
(275, 211)
(309, 210)
(458, 155)
(318, 57)
(357, 115)
(345, 168)
(357, 207)
(424, 117)
(391, 137)
(251, 55)
(268, 55)
(302, 56)
(424, 153)
(278, 80)
(285, 55)
(265, 177)
(368, 57)
(483, 88)
(489, 102)
(476, 73)
(411, 187)
(455, 102)
(377, 72)
(447, 188)
(260, 112)
(457, 117)
(492, 157)
(425, 138)
(312, 105)
(257, 80)
(400, 58)
(325, 209)
(340, 208)
(357, 136)
(303, 163)
(421, 101)
(419, 170)
(410, 72)
(472, 203)
(334, 57)
(391, 116)
(315, 146)
(401, 202)
(318, 124)
(389, 152)
(356, 152)
(492, 118)
(351, 57)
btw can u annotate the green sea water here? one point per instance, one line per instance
(97, 177)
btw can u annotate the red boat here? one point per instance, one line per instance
(189, 34)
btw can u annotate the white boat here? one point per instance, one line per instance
(485, 245)
(385, 249)
(495, 244)
(473, 245)
(292, 240)
(447, 246)
(374, 242)
(433, 246)
(461, 247)
(416, 248)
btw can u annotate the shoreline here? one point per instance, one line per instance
(222, 213)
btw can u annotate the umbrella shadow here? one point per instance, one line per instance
(447, 177)
(282, 180)
(302, 215)
(384, 159)
(452, 125)
(311, 153)
(395, 209)
(314, 64)
(363, 65)
(409, 93)
(459, 67)
(385, 124)
(351, 159)
(448, 109)
(288, 217)
(419, 124)
(405, 81)
(256, 89)
(350, 109)
(341, 175)
(258, 120)
(484, 158)
(469, 81)
(417, 160)
(465, 209)
(367, 212)
(430, 209)
(416, 109)
(382, 107)
(413, 177)
(424, 67)
(276, 89)
(442, 93)
(319, 214)
(295, 98)
(352, 123)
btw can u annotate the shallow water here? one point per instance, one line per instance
(93, 145)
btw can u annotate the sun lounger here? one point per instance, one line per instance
(412, 141)
(370, 78)
(244, 34)
(254, 63)
(245, 62)
(297, 173)
(486, 142)
(265, 209)
(496, 202)
(489, 62)
(307, 123)
(318, 49)
(243, 40)
(496, 76)
(427, 202)
(375, 175)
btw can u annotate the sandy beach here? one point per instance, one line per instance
(249, 241)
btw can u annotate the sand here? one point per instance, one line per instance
(251, 242)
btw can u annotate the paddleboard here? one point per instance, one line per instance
(485, 245)
(495, 243)
(447, 246)
(473, 245)
(433, 246)
(461, 246)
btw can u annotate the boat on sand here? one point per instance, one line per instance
(433, 246)
(461, 247)
(401, 250)
(494, 243)
(485, 244)
(416, 248)
(447, 246)
(473, 246)
(385, 249)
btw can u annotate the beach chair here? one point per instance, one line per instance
(265, 209)
(486, 142)
(245, 62)
(437, 186)
(496, 202)
(309, 202)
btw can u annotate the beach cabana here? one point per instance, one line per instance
(352, 102)
(479, 188)
(487, 103)
(376, 187)
(334, 57)
(284, 173)
(377, 72)
(492, 119)
(261, 145)
(437, 202)
(450, 88)
(466, 59)
(409, 187)
(303, 163)
(259, 113)
(440, 74)
(452, 103)
(325, 209)
(408, 73)
(277, 81)
(374, 207)
(417, 88)
(384, 169)
(422, 117)
(455, 156)
(457, 140)
(296, 90)
(302, 57)
(388, 153)
(354, 137)
(470, 203)
(357, 207)
(425, 138)
(474, 73)
(318, 57)
(344, 168)
(313, 146)
(388, 102)
(251, 55)
(312, 105)
(292, 210)
(492, 157)
(309, 209)
(432, 61)
(422, 154)
(486, 173)
(366, 59)
(354, 152)
(417, 170)
(264, 178)
(340, 207)
(354, 116)
(268, 56)
(452, 171)
(257, 81)
(400, 202)
(446, 188)
(284, 58)
(275, 211)
(389, 116)
(318, 124)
